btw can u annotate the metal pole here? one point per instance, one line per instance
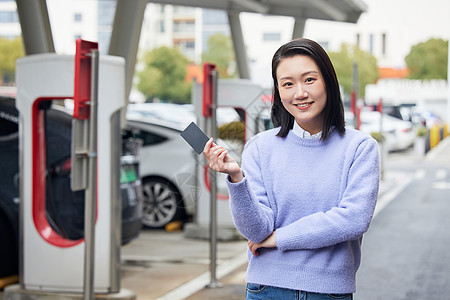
(91, 191)
(355, 95)
(448, 86)
(212, 175)
(382, 154)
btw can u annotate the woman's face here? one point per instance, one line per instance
(302, 91)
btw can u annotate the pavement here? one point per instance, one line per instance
(167, 265)
(162, 265)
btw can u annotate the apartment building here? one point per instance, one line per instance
(9, 20)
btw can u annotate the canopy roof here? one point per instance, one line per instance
(331, 10)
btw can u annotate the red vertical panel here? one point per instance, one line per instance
(207, 89)
(82, 87)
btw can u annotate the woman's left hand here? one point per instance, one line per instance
(269, 242)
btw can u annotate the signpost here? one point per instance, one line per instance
(85, 119)
(209, 109)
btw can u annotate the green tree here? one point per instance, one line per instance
(220, 52)
(164, 76)
(10, 51)
(428, 60)
(343, 63)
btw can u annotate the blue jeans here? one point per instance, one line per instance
(266, 292)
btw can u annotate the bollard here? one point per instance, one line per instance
(434, 136)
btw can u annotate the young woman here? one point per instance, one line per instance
(307, 189)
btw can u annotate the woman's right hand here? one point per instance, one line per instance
(219, 160)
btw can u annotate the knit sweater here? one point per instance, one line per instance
(318, 196)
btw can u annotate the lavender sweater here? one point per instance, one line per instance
(318, 196)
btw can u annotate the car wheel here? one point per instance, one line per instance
(162, 203)
(9, 259)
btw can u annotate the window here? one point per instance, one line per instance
(8, 123)
(8, 17)
(106, 11)
(271, 37)
(383, 44)
(214, 17)
(9, 36)
(148, 138)
(371, 43)
(183, 26)
(77, 17)
(358, 39)
(190, 45)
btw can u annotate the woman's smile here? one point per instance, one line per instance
(304, 105)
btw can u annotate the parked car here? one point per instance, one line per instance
(64, 208)
(167, 171)
(168, 165)
(425, 117)
(399, 134)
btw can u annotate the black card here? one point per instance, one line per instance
(195, 137)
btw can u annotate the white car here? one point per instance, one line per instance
(399, 134)
(167, 162)
(167, 171)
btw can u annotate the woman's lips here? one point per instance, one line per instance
(303, 106)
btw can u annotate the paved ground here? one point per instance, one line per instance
(162, 265)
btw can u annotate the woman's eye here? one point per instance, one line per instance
(287, 84)
(310, 79)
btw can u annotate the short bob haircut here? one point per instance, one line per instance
(334, 109)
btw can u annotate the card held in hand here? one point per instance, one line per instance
(195, 137)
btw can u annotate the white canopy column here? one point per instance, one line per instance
(238, 44)
(126, 33)
(299, 28)
(34, 22)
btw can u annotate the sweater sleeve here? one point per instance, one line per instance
(249, 204)
(347, 221)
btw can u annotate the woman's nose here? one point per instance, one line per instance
(300, 92)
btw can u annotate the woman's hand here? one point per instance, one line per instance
(269, 242)
(219, 160)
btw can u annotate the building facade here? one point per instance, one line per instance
(9, 20)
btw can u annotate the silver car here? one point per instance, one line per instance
(167, 163)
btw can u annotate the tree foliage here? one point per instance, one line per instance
(220, 52)
(10, 51)
(343, 63)
(428, 60)
(164, 76)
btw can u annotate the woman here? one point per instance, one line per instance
(307, 189)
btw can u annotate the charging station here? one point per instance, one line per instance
(50, 262)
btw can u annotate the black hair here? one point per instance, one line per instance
(334, 108)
